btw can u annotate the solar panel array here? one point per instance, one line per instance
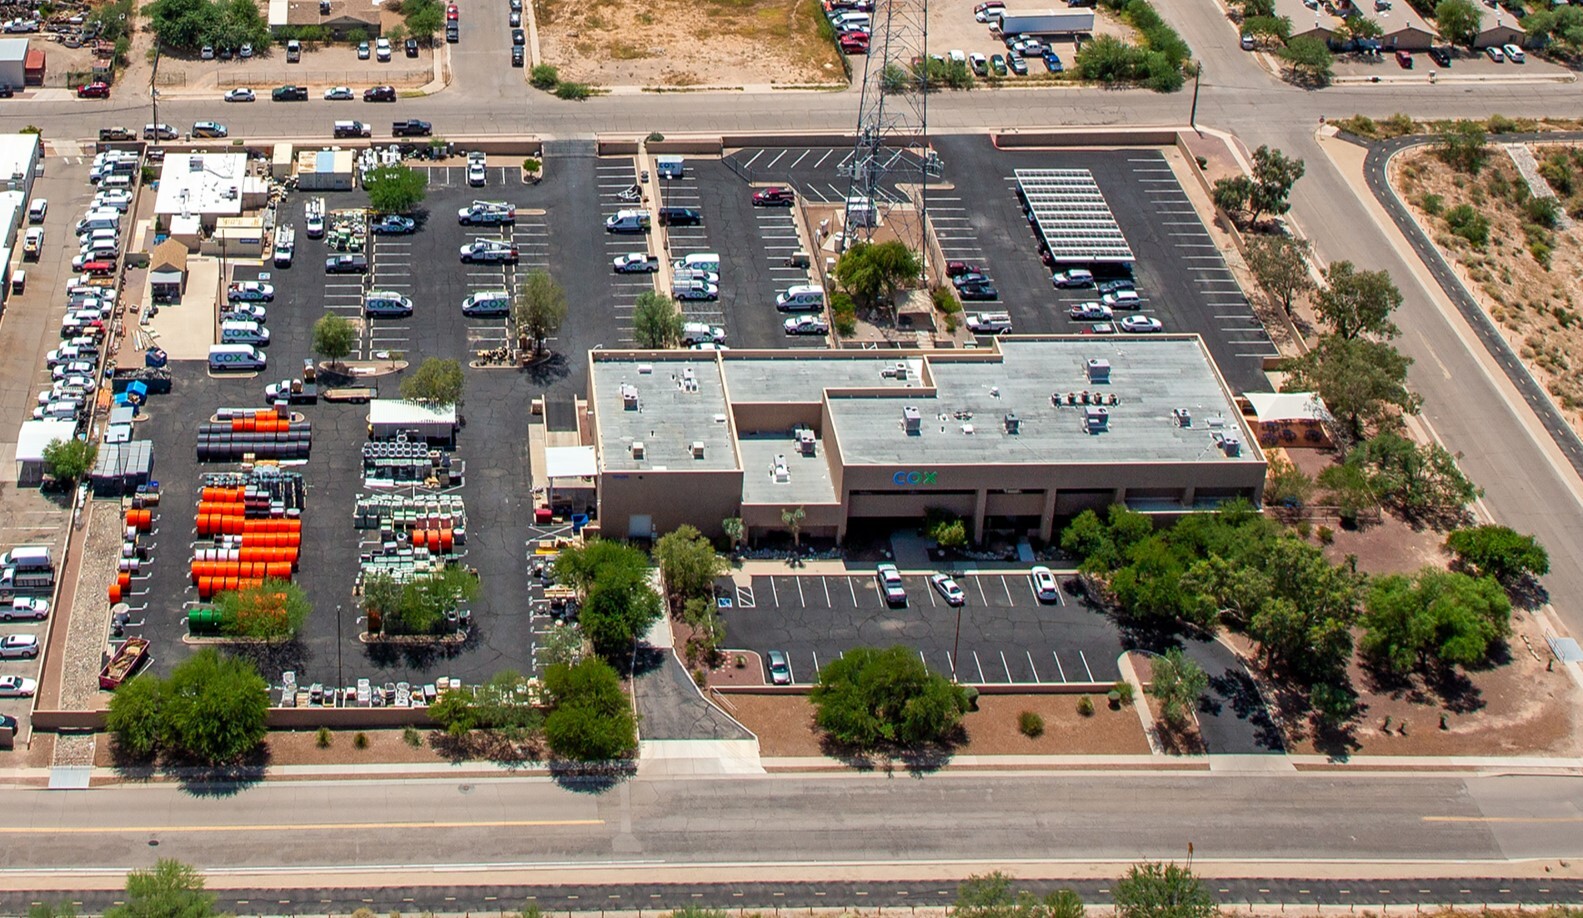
(1072, 217)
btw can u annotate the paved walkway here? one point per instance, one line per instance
(670, 707)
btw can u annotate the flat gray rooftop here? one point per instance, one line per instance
(803, 376)
(672, 413)
(1151, 376)
(807, 480)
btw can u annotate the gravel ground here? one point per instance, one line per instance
(90, 615)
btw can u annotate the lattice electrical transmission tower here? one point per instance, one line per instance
(891, 162)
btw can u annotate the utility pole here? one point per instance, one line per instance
(340, 672)
(956, 644)
(153, 90)
(1192, 117)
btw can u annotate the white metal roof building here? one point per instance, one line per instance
(13, 62)
(202, 185)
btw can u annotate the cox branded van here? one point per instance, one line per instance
(699, 261)
(236, 357)
(386, 303)
(243, 333)
(487, 303)
(801, 298)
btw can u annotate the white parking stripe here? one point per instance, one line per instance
(1058, 667)
(1090, 672)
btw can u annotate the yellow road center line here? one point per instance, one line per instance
(310, 827)
(1503, 819)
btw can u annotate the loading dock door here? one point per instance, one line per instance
(640, 526)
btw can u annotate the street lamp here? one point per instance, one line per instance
(340, 673)
(1192, 117)
(957, 642)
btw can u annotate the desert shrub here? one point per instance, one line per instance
(1030, 724)
(573, 92)
(323, 739)
(1468, 223)
(1085, 706)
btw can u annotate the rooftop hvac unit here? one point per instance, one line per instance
(781, 473)
(895, 371)
(1184, 417)
(1231, 446)
(805, 441)
(911, 420)
(1098, 370)
(1097, 419)
(637, 449)
(629, 397)
(698, 449)
(1013, 423)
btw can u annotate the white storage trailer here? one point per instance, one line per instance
(1046, 22)
(391, 417)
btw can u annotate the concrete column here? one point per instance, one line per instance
(1120, 497)
(1047, 515)
(979, 504)
(1189, 494)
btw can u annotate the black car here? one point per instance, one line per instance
(1111, 286)
(518, 37)
(452, 34)
(379, 94)
(289, 93)
(1440, 55)
(680, 216)
(412, 47)
(346, 264)
(516, 57)
(970, 278)
(412, 127)
(978, 292)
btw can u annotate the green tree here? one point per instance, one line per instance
(1153, 890)
(62, 909)
(1500, 552)
(333, 337)
(133, 717)
(437, 382)
(1360, 27)
(502, 705)
(1422, 481)
(1463, 145)
(1276, 27)
(873, 272)
(1356, 303)
(69, 461)
(544, 76)
(1280, 266)
(1308, 60)
(1274, 174)
(580, 566)
(791, 518)
(540, 308)
(619, 608)
(381, 595)
(870, 697)
(427, 604)
(1233, 194)
(1347, 489)
(734, 530)
(423, 17)
(1458, 21)
(688, 564)
(1435, 617)
(1108, 59)
(993, 896)
(170, 890)
(1286, 484)
(273, 609)
(182, 24)
(1362, 382)
(562, 644)
(656, 322)
(1253, 9)
(210, 709)
(395, 189)
(590, 718)
(1178, 682)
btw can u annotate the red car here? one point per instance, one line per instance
(774, 197)
(452, 13)
(93, 91)
(1405, 59)
(854, 43)
(959, 268)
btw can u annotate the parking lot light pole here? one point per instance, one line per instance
(957, 643)
(340, 673)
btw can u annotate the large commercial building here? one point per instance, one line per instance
(1008, 437)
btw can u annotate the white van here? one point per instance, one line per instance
(386, 303)
(699, 261)
(57, 411)
(699, 332)
(850, 20)
(28, 558)
(627, 221)
(685, 276)
(236, 357)
(243, 333)
(99, 219)
(801, 298)
(487, 303)
(100, 238)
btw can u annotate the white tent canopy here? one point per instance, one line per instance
(31, 438)
(570, 462)
(1275, 407)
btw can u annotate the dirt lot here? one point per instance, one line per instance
(322, 66)
(675, 43)
(784, 724)
(1390, 546)
(1527, 275)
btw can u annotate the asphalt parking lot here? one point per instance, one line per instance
(1180, 272)
(1008, 635)
(754, 244)
(814, 172)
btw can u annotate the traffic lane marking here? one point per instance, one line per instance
(300, 827)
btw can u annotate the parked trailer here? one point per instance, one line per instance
(125, 662)
(355, 394)
(14, 583)
(1046, 22)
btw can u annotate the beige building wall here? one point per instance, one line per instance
(660, 501)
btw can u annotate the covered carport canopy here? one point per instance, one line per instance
(31, 439)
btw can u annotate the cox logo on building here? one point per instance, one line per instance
(904, 479)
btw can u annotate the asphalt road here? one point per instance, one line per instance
(670, 826)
